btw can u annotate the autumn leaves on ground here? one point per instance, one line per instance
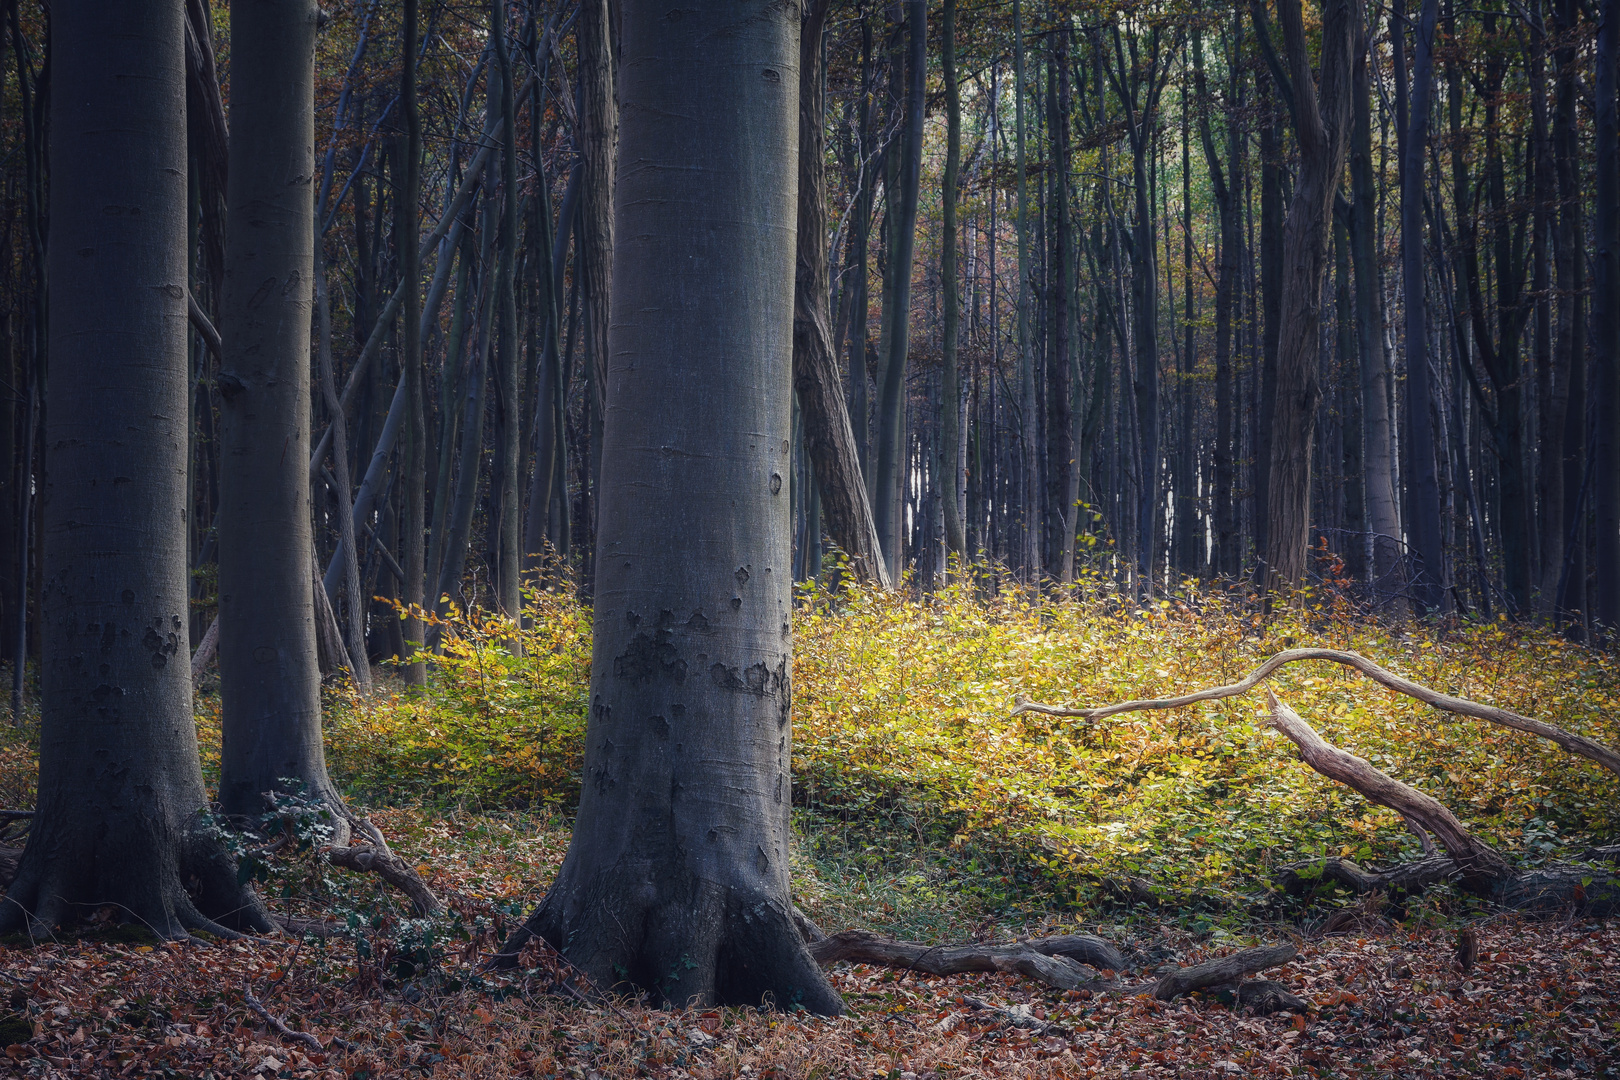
(925, 811)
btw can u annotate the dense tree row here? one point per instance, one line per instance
(1168, 291)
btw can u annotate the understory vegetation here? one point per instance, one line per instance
(923, 810)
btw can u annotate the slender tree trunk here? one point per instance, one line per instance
(828, 436)
(269, 669)
(950, 380)
(1429, 588)
(416, 445)
(1377, 440)
(1572, 320)
(1322, 129)
(1271, 269)
(508, 381)
(891, 457)
(598, 142)
(676, 880)
(1606, 328)
(1029, 550)
(121, 804)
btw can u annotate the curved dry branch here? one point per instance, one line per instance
(1606, 756)
(1480, 866)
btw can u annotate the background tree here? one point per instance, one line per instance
(269, 673)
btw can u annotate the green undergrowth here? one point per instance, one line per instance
(921, 803)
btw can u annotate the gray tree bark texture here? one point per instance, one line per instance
(269, 671)
(121, 799)
(676, 880)
(1322, 128)
(598, 142)
(828, 434)
(887, 506)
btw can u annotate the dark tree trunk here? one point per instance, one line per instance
(1271, 263)
(1377, 441)
(950, 392)
(598, 142)
(828, 435)
(269, 670)
(891, 456)
(1606, 328)
(1413, 125)
(676, 880)
(508, 384)
(1572, 328)
(1322, 128)
(121, 800)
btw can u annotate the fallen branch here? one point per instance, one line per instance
(1606, 756)
(1223, 971)
(378, 858)
(1053, 961)
(1481, 868)
(286, 1032)
(1019, 1016)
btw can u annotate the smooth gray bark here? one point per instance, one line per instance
(121, 805)
(412, 375)
(508, 378)
(891, 463)
(269, 670)
(676, 880)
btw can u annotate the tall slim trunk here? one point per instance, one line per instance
(828, 436)
(1606, 329)
(269, 669)
(891, 457)
(1550, 382)
(1224, 555)
(1572, 321)
(1187, 554)
(1377, 439)
(950, 393)
(416, 442)
(1271, 271)
(1029, 540)
(1429, 588)
(121, 807)
(1322, 129)
(676, 879)
(598, 142)
(508, 382)
(550, 480)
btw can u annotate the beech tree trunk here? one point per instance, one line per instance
(676, 880)
(950, 390)
(598, 142)
(828, 435)
(1606, 328)
(121, 799)
(269, 669)
(891, 455)
(416, 445)
(1322, 128)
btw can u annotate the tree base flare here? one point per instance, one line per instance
(689, 943)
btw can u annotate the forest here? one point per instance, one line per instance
(832, 538)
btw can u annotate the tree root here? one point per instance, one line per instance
(1606, 756)
(1060, 962)
(1055, 962)
(309, 1041)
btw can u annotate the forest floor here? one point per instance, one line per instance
(923, 811)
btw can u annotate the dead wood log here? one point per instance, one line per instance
(378, 858)
(1224, 971)
(1481, 868)
(1606, 756)
(1053, 961)
(1299, 878)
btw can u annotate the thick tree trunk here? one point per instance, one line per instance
(676, 880)
(121, 800)
(1322, 128)
(828, 436)
(891, 455)
(269, 669)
